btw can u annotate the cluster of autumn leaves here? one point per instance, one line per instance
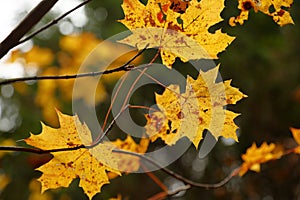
(178, 29)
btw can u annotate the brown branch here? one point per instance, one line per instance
(65, 77)
(25, 25)
(188, 182)
(162, 195)
(154, 178)
(55, 21)
(179, 177)
(38, 151)
(148, 159)
(110, 126)
(125, 67)
(179, 189)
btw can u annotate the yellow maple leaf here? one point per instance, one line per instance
(296, 135)
(279, 15)
(179, 29)
(90, 165)
(200, 107)
(129, 163)
(255, 156)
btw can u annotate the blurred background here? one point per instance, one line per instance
(263, 62)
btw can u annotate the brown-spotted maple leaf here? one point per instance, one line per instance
(178, 28)
(200, 107)
(129, 163)
(296, 136)
(90, 165)
(273, 8)
(255, 156)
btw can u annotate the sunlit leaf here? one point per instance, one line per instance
(179, 29)
(130, 163)
(200, 107)
(255, 156)
(68, 165)
(274, 8)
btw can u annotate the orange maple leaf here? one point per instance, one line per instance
(90, 165)
(200, 107)
(179, 29)
(279, 15)
(255, 156)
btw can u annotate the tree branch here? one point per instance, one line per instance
(150, 160)
(55, 21)
(125, 67)
(179, 177)
(60, 77)
(25, 25)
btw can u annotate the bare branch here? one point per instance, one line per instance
(25, 25)
(72, 76)
(125, 67)
(148, 159)
(55, 21)
(179, 177)
(110, 126)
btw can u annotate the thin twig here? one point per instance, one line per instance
(53, 22)
(179, 189)
(25, 25)
(65, 77)
(150, 160)
(164, 194)
(100, 138)
(139, 76)
(179, 177)
(39, 151)
(154, 178)
(117, 91)
(125, 67)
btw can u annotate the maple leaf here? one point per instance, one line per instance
(279, 15)
(90, 165)
(255, 156)
(179, 29)
(129, 163)
(296, 135)
(200, 107)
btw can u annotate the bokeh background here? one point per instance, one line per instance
(263, 62)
